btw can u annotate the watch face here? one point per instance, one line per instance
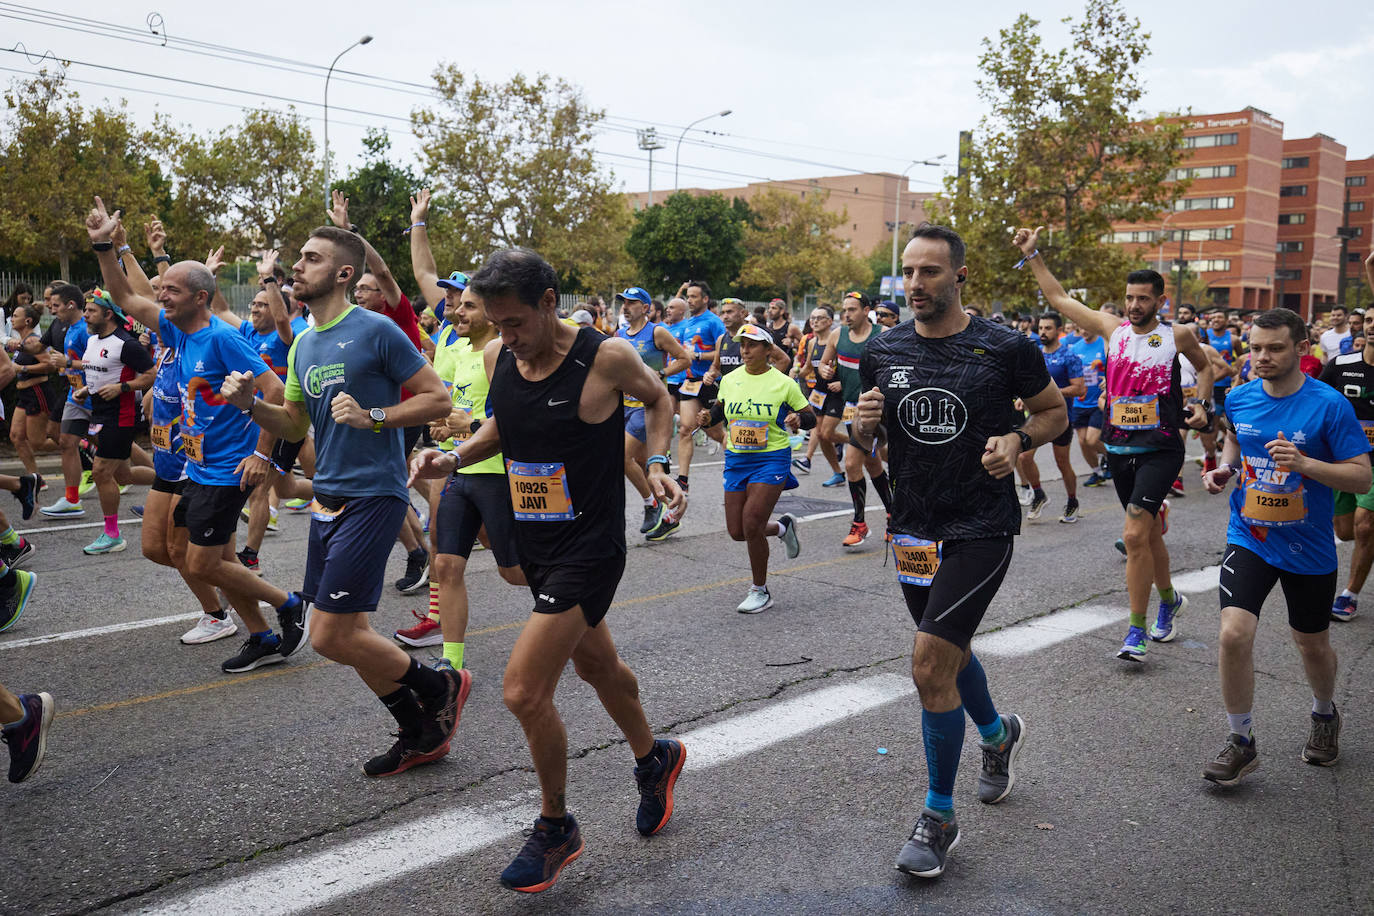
(377, 414)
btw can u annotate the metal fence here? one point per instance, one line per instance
(10, 279)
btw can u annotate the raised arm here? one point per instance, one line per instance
(138, 280)
(100, 227)
(376, 266)
(1026, 241)
(219, 305)
(421, 256)
(281, 316)
(157, 244)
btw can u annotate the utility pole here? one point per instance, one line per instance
(1345, 234)
(648, 141)
(1178, 284)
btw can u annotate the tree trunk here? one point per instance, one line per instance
(64, 266)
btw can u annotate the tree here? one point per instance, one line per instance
(379, 192)
(515, 160)
(1063, 146)
(792, 247)
(689, 238)
(55, 157)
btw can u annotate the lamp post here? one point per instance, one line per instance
(361, 41)
(648, 141)
(897, 212)
(677, 155)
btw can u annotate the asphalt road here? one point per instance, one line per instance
(171, 787)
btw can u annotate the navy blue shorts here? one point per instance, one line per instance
(634, 423)
(744, 468)
(469, 502)
(1082, 417)
(350, 540)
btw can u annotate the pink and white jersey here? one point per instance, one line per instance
(1144, 400)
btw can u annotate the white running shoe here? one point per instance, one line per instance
(63, 509)
(757, 601)
(208, 629)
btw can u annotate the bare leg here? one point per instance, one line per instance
(1236, 659)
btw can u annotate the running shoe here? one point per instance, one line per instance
(1165, 627)
(1024, 495)
(445, 714)
(254, 653)
(87, 483)
(666, 525)
(208, 629)
(407, 752)
(836, 480)
(13, 602)
(137, 510)
(14, 554)
(42, 484)
(682, 483)
(417, 572)
(858, 533)
(1342, 609)
(1134, 647)
(1238, 758)
(1120, 546)
(1094, 480)
(656, 780)
(1037, 506)
(26, 494)
(63, 509)
(443, 664)
(1070, 516)
(1104, 470)
(998, 776)
(1323, 742)
(104, 544)
(757, 601)
(652, 516)
(296, 505)
(803, 465)
(27, 739)
(249, 558)
(1164, 518)
(294, 620)
(426, 632)
(245, 513)
(272, 521)
(548, 848)
(1176, 488)
(125, 488)
(927, 851)
(787, 532)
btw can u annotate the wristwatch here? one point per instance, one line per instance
(1026, 440)
(378, 418)
(124, 386)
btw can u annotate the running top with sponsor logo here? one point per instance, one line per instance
(848, 352)
(269, 345)
(677, 378)
(755, 407)
(699, 333)
(367, 356)
(1354, 378)
(169, 462)
(75, 345)
(447, 344)
(116, 357)
(1093, 357)
(470, 391)
(1282, 517)
(648, 351)
(944, 398)
(215, 435)
(1144, 400)
(1063, 364)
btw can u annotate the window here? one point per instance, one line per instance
(1129, 237)
(1355, 206)
(1210, 265)
(1292, 219)
(1210, 234)
(1205, 203)
(1221, 296)
(1355, 181)
(1288, 274)
(1203, 171)
(1293, 190)
(1357, 231)
(1288, 246)
(1295, 162)
(1353, 257)
(1208, 140)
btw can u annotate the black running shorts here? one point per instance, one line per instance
(114, 443)
(163, 485)
(590, 586)
(470, 501)
(209, 513)
(1246, 581)
(968, 577)
(1143, 479)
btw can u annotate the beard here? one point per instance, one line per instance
(940, 303)
(1146, 318)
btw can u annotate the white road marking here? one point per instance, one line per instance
(1199, 580)
(96, 631)
(1033, 635)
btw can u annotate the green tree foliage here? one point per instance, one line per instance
(689, 238)
(792, 248)
(379, 192)
(1063, 146)
(56, 156)
(515, 161)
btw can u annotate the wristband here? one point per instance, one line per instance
(124, 248)
(657, 459)
(419, 225)
(270, 278)
(249, 411)
(163, 259)
(1022, 263)
(102, 246)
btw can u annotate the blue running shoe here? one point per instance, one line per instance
(1094, 480)
(1165, 627)
(547, 850)
(836, 481)
(1120, 546)
(1343, 608)
(1135, 647)
(656, 780)
(137, 510)
(104, 544)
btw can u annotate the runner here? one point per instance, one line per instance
(887, 314)
(1084, 415)
(1298, 441)
(955, 510)
(345, 377)
(1338, 339)
(1353, 376)
(815, 389)
(24, 724)
(34, 392)
(840, 363)
(763, 406)
(665, 355)
(786, 335)
(1144, 416)
(556, 397)
(734, 314)
(698, 333)
(1187, 380)
(76, 414)
(1066, 371)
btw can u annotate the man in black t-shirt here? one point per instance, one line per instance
(1352, 374)
(941, 389)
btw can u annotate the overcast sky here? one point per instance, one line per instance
(858, 86)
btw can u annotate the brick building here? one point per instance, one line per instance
(1359, 188)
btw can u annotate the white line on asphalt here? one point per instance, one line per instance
(310, 881)
(1199, 580)
(95, 631)
(1028, 637)
(73, 527)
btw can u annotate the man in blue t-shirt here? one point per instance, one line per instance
(1066, 371)
(698, 333)
(1296, 440)
(1084, 415)
(345, 376)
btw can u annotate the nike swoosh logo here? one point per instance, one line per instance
(553, 403)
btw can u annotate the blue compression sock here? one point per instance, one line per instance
(944, 739)
(973, 690)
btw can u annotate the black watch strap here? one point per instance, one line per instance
(1026, 441)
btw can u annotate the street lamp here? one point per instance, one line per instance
(677, 155)
(648, 141)
(897, 212)
(361, 41)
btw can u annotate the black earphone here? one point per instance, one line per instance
(961, 278)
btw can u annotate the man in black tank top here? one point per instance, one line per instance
(784, 333)
(556, 394)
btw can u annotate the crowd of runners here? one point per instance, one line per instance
(515, 429)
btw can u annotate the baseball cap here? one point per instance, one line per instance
(753, 332)
(456, 280)
(782, 302)
(637, 293)
(582, 316)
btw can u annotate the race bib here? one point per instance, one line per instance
(1189, 393)
(690, 388)
(817, 399)
(748, 435)
(1270, 506)
(1136, 412)
(917, 559)
(193, 445)
(632, 402)
(161, 437)
(1368, 426)
(849, 410)
(322, 514)
(539, 492)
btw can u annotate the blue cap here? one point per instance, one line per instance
(636, 293)
(456, 280)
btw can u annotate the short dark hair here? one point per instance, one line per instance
(828, 309)
(1145, 275)
(957, 249)
(1054, 316)
(1282, 318)
(68, 292)
(350, 249)
(515, 271)
(1339, 306)
(701, 285)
